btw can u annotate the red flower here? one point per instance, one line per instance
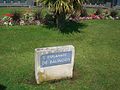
(8, 14)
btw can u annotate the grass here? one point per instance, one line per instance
(97, 56)
(5, 10)
(8, 10)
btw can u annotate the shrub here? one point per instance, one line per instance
(113, 13)
(84, 13)
(44, 12)
(38, 15)
(16, 17)
(49, 19)
(98, 11)
(7, 20)
(28, 18)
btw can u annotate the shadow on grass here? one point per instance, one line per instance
(69, 27)
(72, 26)
(2, 87)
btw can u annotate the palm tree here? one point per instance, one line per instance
(62, 7)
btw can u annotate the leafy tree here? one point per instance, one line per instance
(61, 7)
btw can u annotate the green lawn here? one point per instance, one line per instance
(5, 10)
(97, 58)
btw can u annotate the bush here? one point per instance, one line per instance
(98, 11)
(16, 17)
(113, 13)
(38, 15)
(49, 19)
(84, 13)
(44, 12)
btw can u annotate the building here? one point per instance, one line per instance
(17, 3)
(116, 2)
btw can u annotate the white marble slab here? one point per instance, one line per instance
(54, 63)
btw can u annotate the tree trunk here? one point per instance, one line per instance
(60, 19)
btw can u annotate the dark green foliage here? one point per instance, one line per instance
(38, 15)
(49, 19)
(76, 5)
(113, 13)
(2, 87)
(98, 11)
(84, 13)
(16, 16)
(53, 19)
(61, 8)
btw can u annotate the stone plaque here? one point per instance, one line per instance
(54, 63)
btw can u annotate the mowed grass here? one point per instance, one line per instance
(97, 57)
(5, 10)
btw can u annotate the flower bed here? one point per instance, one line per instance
(16, 18)
(97, 15)
(35, 18)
